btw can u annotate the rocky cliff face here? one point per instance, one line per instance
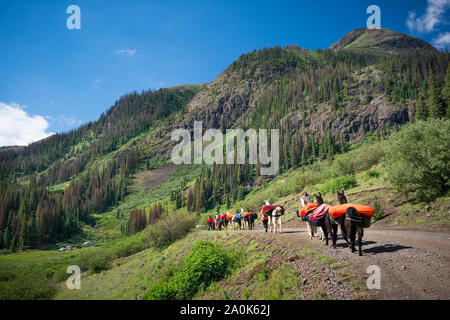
(359, 115)
(234, 101)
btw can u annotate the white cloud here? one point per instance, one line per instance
(64, 121)
(434, 15)
(442, 41)
(129, 52)
(17, 127)
(97, 83)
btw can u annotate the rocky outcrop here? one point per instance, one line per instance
(234, 101)
(354, 126)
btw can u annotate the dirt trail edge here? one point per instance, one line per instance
(413, 264)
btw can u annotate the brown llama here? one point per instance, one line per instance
(352, 225)
(343, 200)
(328, 228)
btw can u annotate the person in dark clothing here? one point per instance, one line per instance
(265, 221)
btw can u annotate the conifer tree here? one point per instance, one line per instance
(421, 109)
(31, 233)
(22, 236)
(435, 103)
(6, 238)
(12, 247)
(240, 195)
(446, 91)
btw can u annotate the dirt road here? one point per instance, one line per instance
(413, 264)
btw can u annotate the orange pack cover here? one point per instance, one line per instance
(230, 216)
(247, 214)
(307, 208)
(339, 211)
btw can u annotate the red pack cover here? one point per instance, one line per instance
(339, 211)
(224, 216)
(307, 208)
(209, 221)
(319, 212)
(267, 208)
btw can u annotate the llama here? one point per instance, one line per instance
(223, 222)
(274, 218)
(210, 223)
(343, 200)
(217, 221)
(304, 200)
(236, 221)
(251, 219)
(352, 225)
(341, 197)
(244, 222)
(327, 227)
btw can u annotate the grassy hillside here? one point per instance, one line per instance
(382, 40)
(126, 268)
(261, 268)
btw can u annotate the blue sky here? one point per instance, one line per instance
(68, 77)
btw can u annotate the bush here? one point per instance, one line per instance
(360, 159)
(166, 290)
(170, 228)
(130, 246)
(417, 159)
(379, 212)
(96, 260)
(343, 165)
(372, 174)
(341, 183)
(205, 263)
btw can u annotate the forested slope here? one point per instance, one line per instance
(321, 101)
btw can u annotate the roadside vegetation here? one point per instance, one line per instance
(34, 274)
(218, 265)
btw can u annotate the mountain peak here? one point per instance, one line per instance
(380, 39)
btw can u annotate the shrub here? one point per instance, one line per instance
(163, 289)
(95, 260)
(342, 165)
(417, 159)
(205, 263)
(341, 183)
(170, 228)
(130, 246)
(379, 212)
(372, 174)
(367, 156)
(360, 159)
